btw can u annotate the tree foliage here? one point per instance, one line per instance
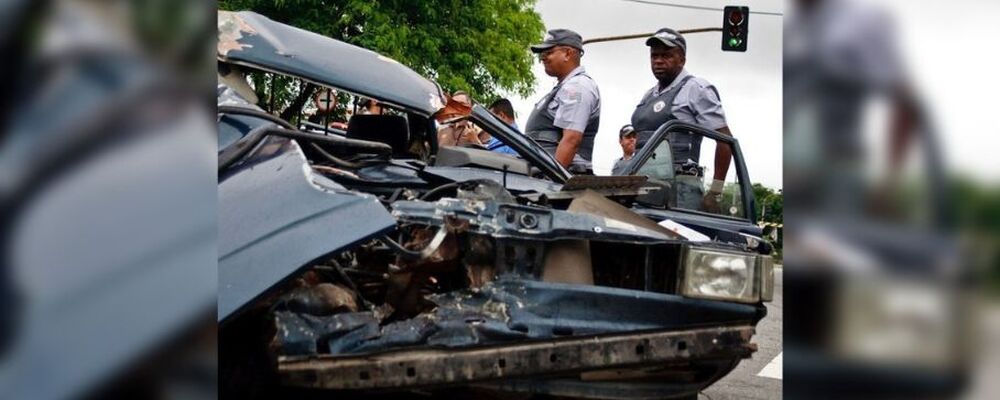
(480, 46)
(772, 203)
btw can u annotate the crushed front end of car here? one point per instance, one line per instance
(358, 263)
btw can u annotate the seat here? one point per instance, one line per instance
(389, 129)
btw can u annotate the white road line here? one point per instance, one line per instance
(772, 369)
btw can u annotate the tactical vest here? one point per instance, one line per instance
(541, 127)
(654, 111)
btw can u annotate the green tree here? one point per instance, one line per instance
(480, 46)
(772, 202)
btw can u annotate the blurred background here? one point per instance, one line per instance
(892, 200)
(892, 209)
(108, 198)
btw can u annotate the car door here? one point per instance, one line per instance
(681, 161)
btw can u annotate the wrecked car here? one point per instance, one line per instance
(372, 259)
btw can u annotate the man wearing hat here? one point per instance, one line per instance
(626, 138)
(565, 121)
(682, 96)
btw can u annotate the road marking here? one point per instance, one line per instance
(772, 369)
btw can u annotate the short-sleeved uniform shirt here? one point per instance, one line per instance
(837, 56)
(696, 102)
(576, 102)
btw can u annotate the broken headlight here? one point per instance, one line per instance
(725, 275)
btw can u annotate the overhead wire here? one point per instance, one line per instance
(656, 3)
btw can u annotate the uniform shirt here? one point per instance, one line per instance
(837, 56)
(697, 102)
(620, 164)
(576, 102)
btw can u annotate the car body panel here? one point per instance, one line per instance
(660, 135)
(524, 359)
(275, 216)
(250, 39)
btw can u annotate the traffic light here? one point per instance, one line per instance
(734, 28)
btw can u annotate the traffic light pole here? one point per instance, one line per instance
(646, 35)
(735, 20)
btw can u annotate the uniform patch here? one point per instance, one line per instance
(659, 106)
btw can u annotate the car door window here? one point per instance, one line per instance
(683, 166)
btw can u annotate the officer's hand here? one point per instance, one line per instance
(710, 203)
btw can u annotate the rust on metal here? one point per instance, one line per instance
(444, 366)
(232, 28)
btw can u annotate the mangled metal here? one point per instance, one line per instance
(231, 29)
(263, 241)
(436, 367)
(506, 310)
(523, 222)
(405, 270)
(250, 39)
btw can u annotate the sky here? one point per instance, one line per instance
(946, 55)
(749, 83)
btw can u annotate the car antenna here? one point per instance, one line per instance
(505, 176)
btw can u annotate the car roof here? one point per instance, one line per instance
(253, 40)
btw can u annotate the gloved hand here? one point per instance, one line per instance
(710, 202)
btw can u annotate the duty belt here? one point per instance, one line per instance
(689, 168)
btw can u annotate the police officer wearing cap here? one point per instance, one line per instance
(682, 96)
(565, 121)
(626, 138)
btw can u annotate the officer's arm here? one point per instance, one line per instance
(709, 113)
(576, 105)
(904, 123)
(567, 146)
(723, 156)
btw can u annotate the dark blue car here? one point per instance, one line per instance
(371, 259)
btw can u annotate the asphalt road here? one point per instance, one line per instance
(760, 376)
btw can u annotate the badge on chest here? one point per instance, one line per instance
(659, 106)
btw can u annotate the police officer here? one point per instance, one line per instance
(565, 121)
(627, 139)
(682, 96)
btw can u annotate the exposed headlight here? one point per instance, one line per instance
(723, 275)
(895, 321)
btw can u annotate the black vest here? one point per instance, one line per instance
(541, 127)
(654, 111)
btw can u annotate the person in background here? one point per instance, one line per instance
(626, 138)
(461, 133)
(504, 110)
(370, 107)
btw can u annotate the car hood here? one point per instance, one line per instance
(250, 39)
